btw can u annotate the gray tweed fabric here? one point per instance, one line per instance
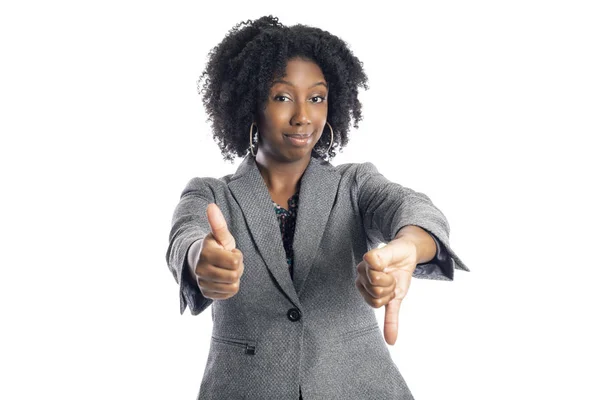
(315, 331)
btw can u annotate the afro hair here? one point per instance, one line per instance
(236, 81)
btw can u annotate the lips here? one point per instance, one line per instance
(298, 140)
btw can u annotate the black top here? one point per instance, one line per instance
(287, 225)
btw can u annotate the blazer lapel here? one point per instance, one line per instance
(318, 188)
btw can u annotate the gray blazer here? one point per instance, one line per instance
(315, 332)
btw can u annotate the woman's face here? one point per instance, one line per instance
(297, 104)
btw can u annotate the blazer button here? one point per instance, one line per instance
(294, 314)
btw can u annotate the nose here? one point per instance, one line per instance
(301, 116)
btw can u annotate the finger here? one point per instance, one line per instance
(221, 258)
(224, 288)
(218, 227)
(373, 258)
(390, 324)
(363, 292)
(373, 302)
(215, 273)
(212, 273)
(215, 295)
(403, 278)
(379, 290)
(376, 277)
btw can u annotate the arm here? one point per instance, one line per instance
(433, 258)
(188, 227)
(387, 207)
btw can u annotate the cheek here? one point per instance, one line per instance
(276, 116)
(320, 112)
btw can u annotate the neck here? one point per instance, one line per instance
(281, 176)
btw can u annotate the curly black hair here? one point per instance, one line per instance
(240, 69)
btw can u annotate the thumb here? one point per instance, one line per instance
(218, 227)
(390, 324)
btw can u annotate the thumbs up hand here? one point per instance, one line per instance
(384, 277)
(220, 266)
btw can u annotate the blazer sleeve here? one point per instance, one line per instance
(189, 226)
(386, 207)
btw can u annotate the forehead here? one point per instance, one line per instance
(302, 74)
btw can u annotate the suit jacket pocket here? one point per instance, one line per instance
(349, 335)
(230, 369)
(248, 346)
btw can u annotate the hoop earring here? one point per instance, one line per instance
(331, 142)
(251, 149)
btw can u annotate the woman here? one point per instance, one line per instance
(285, 249)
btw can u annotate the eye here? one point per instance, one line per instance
(318, 97)
(276, 98)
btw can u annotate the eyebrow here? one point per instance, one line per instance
(291, 84)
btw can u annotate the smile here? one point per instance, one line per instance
(298, 140)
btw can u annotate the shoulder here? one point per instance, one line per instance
(205, 187)
(357, 171)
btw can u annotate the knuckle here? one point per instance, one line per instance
(237, 275)
(230, 241)
(200, 267)
(369, 276)
(360, 267)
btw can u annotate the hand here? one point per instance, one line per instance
(220, 266)
(384, 277)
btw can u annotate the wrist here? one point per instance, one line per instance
(425, 246)
(192, 257)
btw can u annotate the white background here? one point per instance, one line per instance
(490, 108)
